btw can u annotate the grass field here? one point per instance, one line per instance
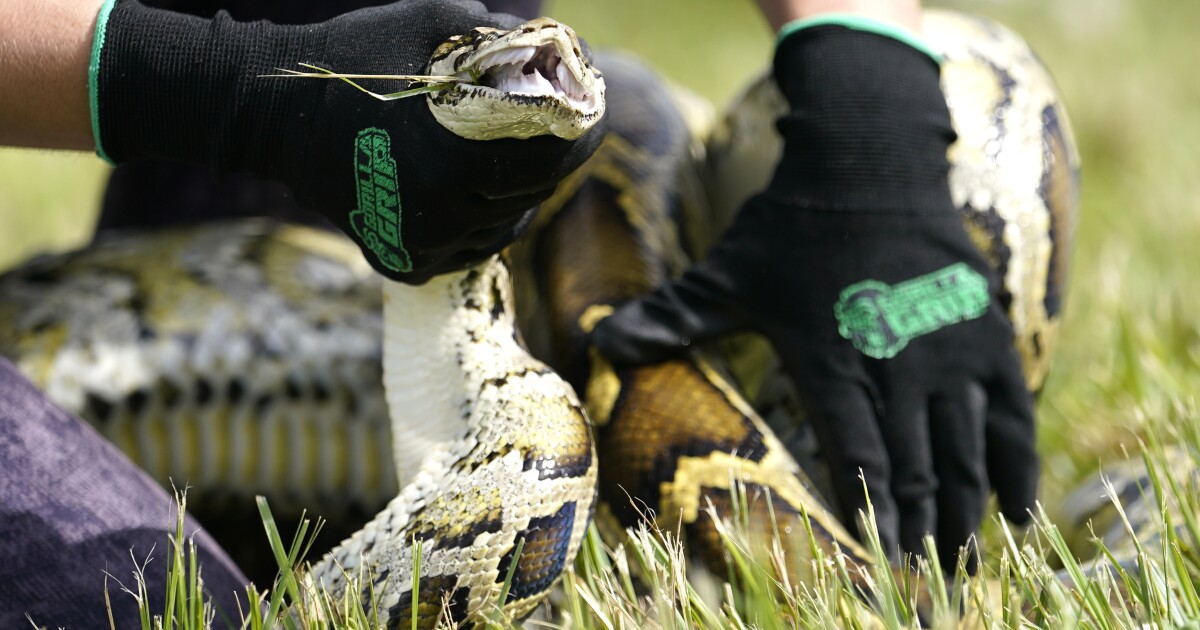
(1130, 351)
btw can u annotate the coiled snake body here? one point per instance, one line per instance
(244, 358)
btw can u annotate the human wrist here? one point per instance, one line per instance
(860, 22)
(43, 68)
(905, 14)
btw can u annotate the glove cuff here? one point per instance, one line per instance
(858, 23)
(93, 77)
(867, 128)
(173, 86)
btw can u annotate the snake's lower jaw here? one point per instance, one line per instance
(482, 113)
(530, 81)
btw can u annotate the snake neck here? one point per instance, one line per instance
(492, 449)
(445, 340)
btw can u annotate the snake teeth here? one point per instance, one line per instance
(530, 81)
(536, 71)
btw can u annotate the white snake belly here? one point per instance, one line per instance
(493, 449)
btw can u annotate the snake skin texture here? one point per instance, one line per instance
(501, 470)
(244, 358)
(478, 113)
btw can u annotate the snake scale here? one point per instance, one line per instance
(246, 357)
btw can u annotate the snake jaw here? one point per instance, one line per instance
(538, 71)
(530, 81)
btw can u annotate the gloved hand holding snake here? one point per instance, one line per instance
(419, 199)
(855, 264)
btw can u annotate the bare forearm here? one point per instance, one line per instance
(904, 13)
(45, 47)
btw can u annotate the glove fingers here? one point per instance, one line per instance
(514, 197)
(493, 238)
(1012, 443)
(844, 418)
(905, 427)
(490, 242)
(957, 421)
(665, 322)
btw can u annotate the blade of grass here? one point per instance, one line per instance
(416, 581)
(435, 82)
(287, 577)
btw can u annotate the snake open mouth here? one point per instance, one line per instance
(536, 71)
(528, 81)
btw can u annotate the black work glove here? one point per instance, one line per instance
(856, 265)
(173, 86)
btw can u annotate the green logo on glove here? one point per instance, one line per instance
(880, 319)
(377, 219)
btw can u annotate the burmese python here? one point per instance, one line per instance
(245, 358)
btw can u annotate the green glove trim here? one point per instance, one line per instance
(859, 23)
(93, 71)
(880, 319)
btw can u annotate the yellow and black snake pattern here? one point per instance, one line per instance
(245, 358)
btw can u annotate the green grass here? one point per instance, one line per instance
(48, 201)
(1030, 581)
(1131, 341)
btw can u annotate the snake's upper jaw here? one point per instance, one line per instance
(541, 71)
(530, 81)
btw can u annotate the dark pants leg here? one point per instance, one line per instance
(72, 507)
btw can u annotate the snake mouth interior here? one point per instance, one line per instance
(536, 71)
(528, 81)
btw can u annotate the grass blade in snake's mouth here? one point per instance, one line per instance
(529, 81)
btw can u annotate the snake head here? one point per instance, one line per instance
(530, 81)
